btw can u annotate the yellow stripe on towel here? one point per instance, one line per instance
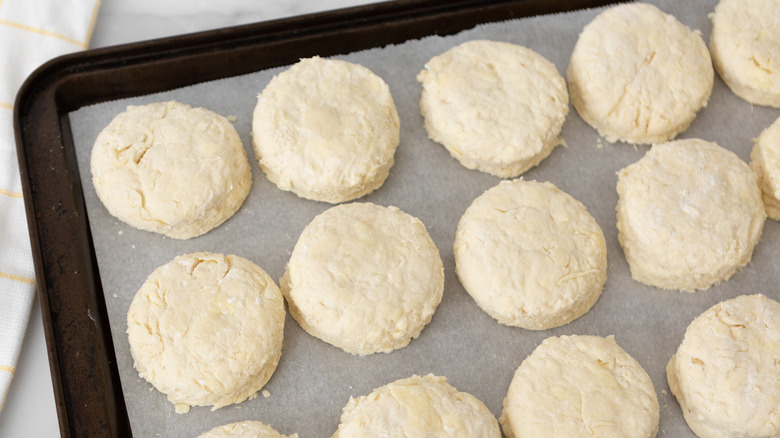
(45, 32)
(17, 278)
(10, 194)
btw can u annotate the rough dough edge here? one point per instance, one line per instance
(610, 134)
(264, 429)
(363, 349)
(268, 369)
(745, 91)
(642, 275)
(374, 179)
(697, 423)
(506, 422)
(563, 316)
(191, 228)
(757, 163)
(352, 403)
(495, 168)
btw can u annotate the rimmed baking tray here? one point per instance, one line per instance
(88, 393)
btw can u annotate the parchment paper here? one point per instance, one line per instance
(314, 380)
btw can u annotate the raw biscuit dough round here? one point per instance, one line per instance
(326, 130)
(169, 168)
(638, 75)
(364, 278)
(530, 255)
(765, 162)
(689, 214)
(245, 429)
(496, 107)
(745, 45)
(417, 407)
(726, 372)
(580, 386)
(206, 329)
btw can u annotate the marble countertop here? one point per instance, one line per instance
(121, 21)
(29, 409)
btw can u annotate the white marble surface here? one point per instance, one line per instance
(29, 410)
(123, 21)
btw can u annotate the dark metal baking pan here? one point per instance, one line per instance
(86, 384)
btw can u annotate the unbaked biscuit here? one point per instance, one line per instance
(364, 278)
(745, 44)
(496, 107)
(530, 255)
(326, 130)
(726, 372)
(169, 168)
(638, 75)
(417, 407)
(580, 386)
(765, 162)
(206, 329)
(245, 429)
(689, 214)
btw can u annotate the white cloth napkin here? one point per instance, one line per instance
(31, 32)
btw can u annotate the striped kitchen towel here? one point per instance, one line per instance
(31, 32)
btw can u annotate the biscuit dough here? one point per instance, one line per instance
(169, 168)
(765, 162)
(638, 75)
(206, 329)
(496, 107)
(530, 255)
(689, 214)
(417, 407)
(745, 44)
(364, 278)
(580, 386)
(326, 130)
(726, 372)
(245, 429)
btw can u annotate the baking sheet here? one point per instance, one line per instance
(314, 380)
